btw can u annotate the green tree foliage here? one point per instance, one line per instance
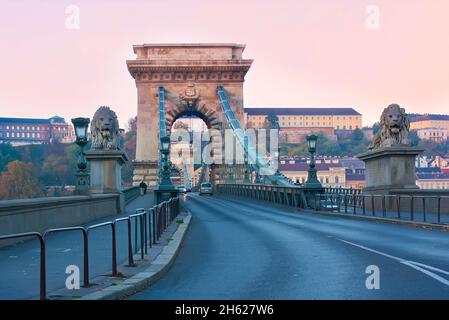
(271, 122)
(7, 154)
(20, 181)
(54, 164)
(325, 146)
(129, 145)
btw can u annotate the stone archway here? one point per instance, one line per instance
(190, 74)
(210, 118)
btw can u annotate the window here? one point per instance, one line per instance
(337, 179)
(7, 127)
(13, 134)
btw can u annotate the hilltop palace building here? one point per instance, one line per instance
(22, 131)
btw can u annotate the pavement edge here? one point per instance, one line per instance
(159, 267)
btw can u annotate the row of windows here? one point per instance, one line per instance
(21, 135)
(435, 134)
(28, 128)
(434, 185)
(32, 128)
(311, 124)
(306, 117)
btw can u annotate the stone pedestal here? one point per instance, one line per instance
(106, 171)
(390, 168)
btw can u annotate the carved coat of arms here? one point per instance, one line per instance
(190, 95)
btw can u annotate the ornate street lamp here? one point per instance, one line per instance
(312, 180)
(82, 175)
(165, 189)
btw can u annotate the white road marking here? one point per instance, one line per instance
(66, 250)
(412, 264)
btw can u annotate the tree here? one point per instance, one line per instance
(358, 136)
(271, 122)
(413, 137)
(20, 181)
(376, 128)
(129, 146)
(7, 154)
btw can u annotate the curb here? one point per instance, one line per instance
(158, 268)
(424, 225)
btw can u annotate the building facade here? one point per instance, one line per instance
(433, 134)
(22, 131)
(329, 174)
(422, 121)
(430, 126)
(334, 118)
(433, 180)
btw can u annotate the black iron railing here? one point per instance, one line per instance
(431, 209)
(152, 222)
(290, 196)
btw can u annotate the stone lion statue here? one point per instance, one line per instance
(394, 128)
(105, 130)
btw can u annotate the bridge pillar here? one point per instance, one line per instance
(189, 74)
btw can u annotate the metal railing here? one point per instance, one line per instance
(342, 190)
(152, 222)
(431, 209)
(290, 196)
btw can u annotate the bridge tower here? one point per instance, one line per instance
(189, 74)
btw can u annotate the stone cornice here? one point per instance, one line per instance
(173, 69)
(181, 71)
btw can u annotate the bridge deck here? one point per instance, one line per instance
(241, 249)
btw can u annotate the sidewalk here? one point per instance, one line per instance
(19, 264)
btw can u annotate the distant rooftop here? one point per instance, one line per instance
(414, 117)
(302, 111)
(32, 120)
(432, 176)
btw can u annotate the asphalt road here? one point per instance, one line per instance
(238, 249)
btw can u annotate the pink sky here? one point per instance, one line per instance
(314, 53)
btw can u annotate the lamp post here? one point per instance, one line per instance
(165, 189)
(82, 174)
(312, 180)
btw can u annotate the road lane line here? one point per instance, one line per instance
(430, 274)
(412, 264)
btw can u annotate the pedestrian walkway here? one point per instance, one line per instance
(19, 264)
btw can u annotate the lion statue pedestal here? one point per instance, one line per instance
(105, 157)
(390, 168)
(390, 163)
